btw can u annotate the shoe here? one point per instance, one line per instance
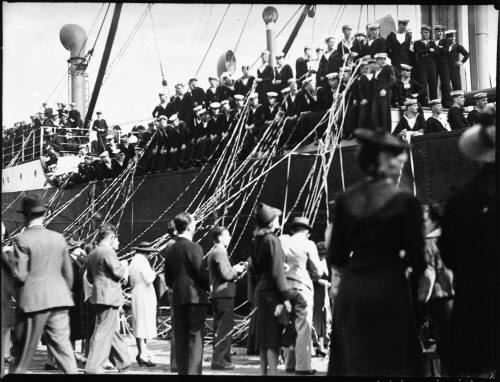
(147, 363)
(222, 367)
(305, 372)
(123, 370)
(49, 366)
(320, 353)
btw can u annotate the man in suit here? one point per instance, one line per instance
(435, 123)
(425, 49)
(301, 257)
(42, 269)
(384, 79)
(456, 117)
(101, 127)
(455, 49)
(398, 46)
(222, 277)
(282, 73)
(186, 274)
(443, 64)
(376, 44)
(104, 272)
(197, 93)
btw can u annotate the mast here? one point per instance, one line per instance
(270, 16)
(295, 31)
(104, 63)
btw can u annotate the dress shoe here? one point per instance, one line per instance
(222, 367)
(305, 372)
(142, 362)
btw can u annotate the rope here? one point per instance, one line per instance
(243, 28)
(412, 166)
(286, 191)
(211, 42)
(100, 28)
(156, 44)
(334, 20)
(11, 203)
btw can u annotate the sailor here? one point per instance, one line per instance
(282, 73)
(366, 93)
(265, 115)
(103, 166)
(42, 268)
(127, 148)
(210, 95)
(244, 84)
(384, 79)
(481, 100)
(250, 137)
(201, 138)
(213, 134)
(307, 100)
(425, 49)
(265, 76)
(161, 108)
(101, 127)
(406, 87)
(86, 170)
(224, 119)
(345, 45)
(110, 144)
(456, 117)
(117, 163)
(398, 46)
(323, 66)
(160, 146)
(226, 89)
(197, 93)
(325, 94)
(289, 96)
(240, 103)
(436, 123)
(179, 136)
(74, 117)
(61, 109)
(181, 103)
(455, 49)
(351, 94)
(359, 44)
(302, 65)
(377, 44)
(412, 121)
(443, 64)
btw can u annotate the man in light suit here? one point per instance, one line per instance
(222, 277)
(302, 260)
(42, 267)
(104, 272)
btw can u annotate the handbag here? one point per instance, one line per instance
(288, 332)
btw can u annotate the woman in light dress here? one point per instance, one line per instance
(141, 277)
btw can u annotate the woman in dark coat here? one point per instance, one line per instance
(377, 234)
(268, 260)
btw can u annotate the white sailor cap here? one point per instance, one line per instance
(173, 118)
(450, 32)
(410, 101)
(162, 117)
(457, 93)
(104, 154)
(133, 139)
(213, 78)
(201, 112)
(434, 101)
(374, 26)
(380, 55)
(290, 80)
(479, 96)
(285, 90)
(116, 151)
(239, 97)
(280, 55)
(307, 80)
(110, 136)
(329, 76)
(403, 21)
(215, 105)
(346, 27)
(354, 54)
(253, 95)
(197, 108)
(406, 67)
(224, 102)
(347, 69)
(272, 94)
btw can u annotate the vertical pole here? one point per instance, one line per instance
(270, 15)
(463, 39)
(481, 36)
(22, 149)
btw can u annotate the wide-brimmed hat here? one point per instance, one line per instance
(265, 214)
(478, 141)
(32, 204)
(300, 221)
(144, 246)
(381, 139)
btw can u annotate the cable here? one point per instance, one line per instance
(156, 43)
(100, 28)
(242, 29)
(213, 38)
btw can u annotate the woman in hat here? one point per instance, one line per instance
(377, 234)
(268, 260)
(141, 277)
(469, 246)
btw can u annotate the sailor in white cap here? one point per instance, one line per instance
(443, 64)
(399, 44)
(345, 45)
(426, 50)
(210, 95)
(213, 115)
(282, 73)
(456, 117)
(412, 122)
(240, 101)
(325, 94)
(481, 100)
(161, 108)
(406, 87)
(244, 84)
(436, 123)
(455, 50)
(376, 43)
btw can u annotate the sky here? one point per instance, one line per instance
(34, 61)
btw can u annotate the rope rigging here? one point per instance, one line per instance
(164, 81)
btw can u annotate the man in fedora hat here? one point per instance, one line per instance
(43, 270)
(301, 253)
(469, 246)
(104, 272)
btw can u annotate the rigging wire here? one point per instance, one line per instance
(213, 38)
(313, 29)
(340, 18)
(242, 29)
(91, 51)
(164, 81)
(334, 20)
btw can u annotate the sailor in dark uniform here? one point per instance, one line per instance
(345, 45)
(325, 94)
(101, 127)
(435, 123)
(289, 106)
(161, 158)
(323, 65)
(197, 93)
(481, 100)
(266, 115)
(224, 121)
(455, 50)
(309, 111)
(161, 108)
(103, 166)
(210, 95)
(240, 105)
(359, 44)
(406, 87)
(117, 163)
(265, 77)
(86, 171)
(201, 137)
(365, 93)
(244, 84)
(126, 148)
(282, 73)
(303, 64)
(174, 105)
(250, 137)
(384, 79)
(179, 136)
(412, 121)
(377, 44)
(443, 64)
(226, 89)
(74, 117)
(425, 49)
(456, 117)
(212, 127)
(398, 46)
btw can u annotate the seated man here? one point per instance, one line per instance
(179, 136)
(266, 115)
(481, 106)
(212, 128)
(200, 137)
(250, 137)
(406, 87)
(412, 121)
(456, 117)
(435, 123)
